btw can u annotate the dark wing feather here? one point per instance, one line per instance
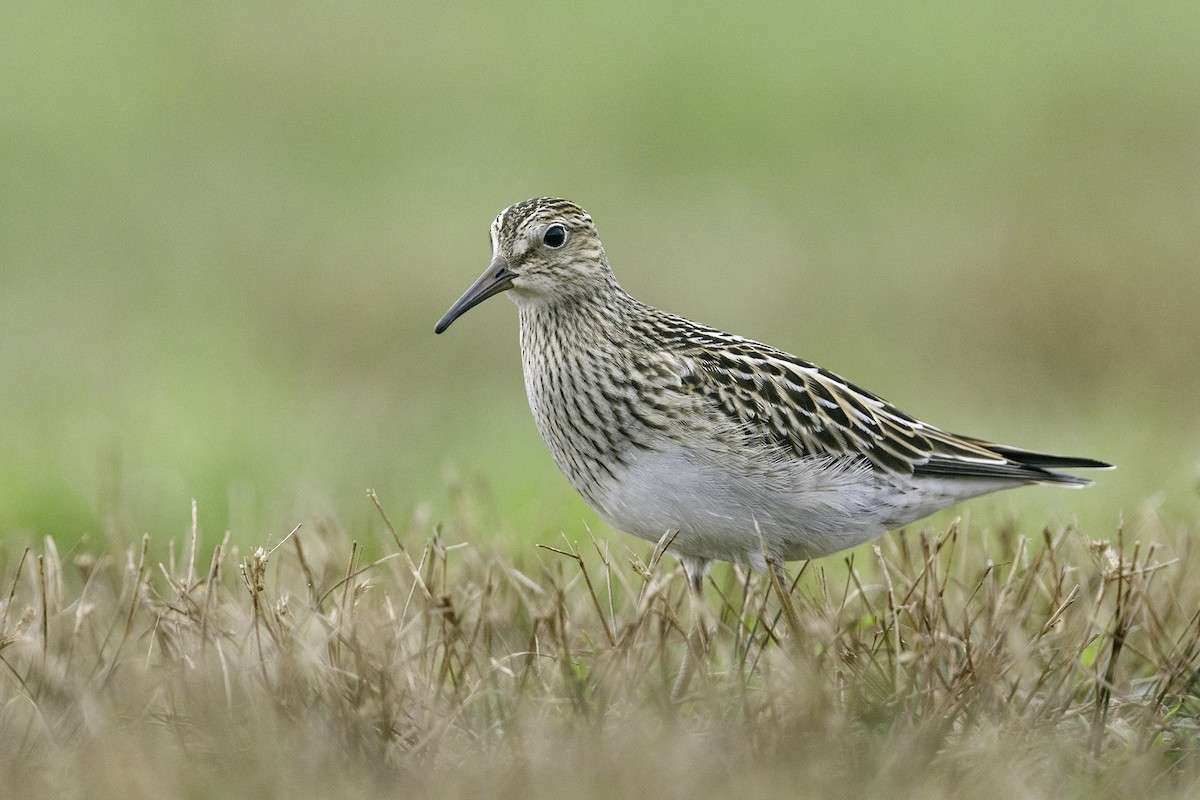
(811, 411)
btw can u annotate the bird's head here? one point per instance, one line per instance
(544, 250)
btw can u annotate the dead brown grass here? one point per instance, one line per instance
(980, 663)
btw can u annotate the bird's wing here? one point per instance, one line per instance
(797, 405)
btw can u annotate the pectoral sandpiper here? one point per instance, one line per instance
(738, 450)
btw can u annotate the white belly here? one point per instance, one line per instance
(789, 509)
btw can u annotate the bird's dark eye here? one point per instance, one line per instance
(555, 236)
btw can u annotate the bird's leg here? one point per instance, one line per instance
(696, 651)
(696, 570)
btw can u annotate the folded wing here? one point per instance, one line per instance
(792, 403)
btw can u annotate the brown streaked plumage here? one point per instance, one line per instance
(742, 451)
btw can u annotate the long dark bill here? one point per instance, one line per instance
(494, 280)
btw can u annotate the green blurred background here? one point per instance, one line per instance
(227, 229)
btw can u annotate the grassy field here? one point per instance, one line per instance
(227, 229)
(945, 663)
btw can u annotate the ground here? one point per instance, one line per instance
(967, 659)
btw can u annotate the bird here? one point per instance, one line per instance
(720, 446)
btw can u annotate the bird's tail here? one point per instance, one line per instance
(1043, 466)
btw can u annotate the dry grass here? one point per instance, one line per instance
(958, 663)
